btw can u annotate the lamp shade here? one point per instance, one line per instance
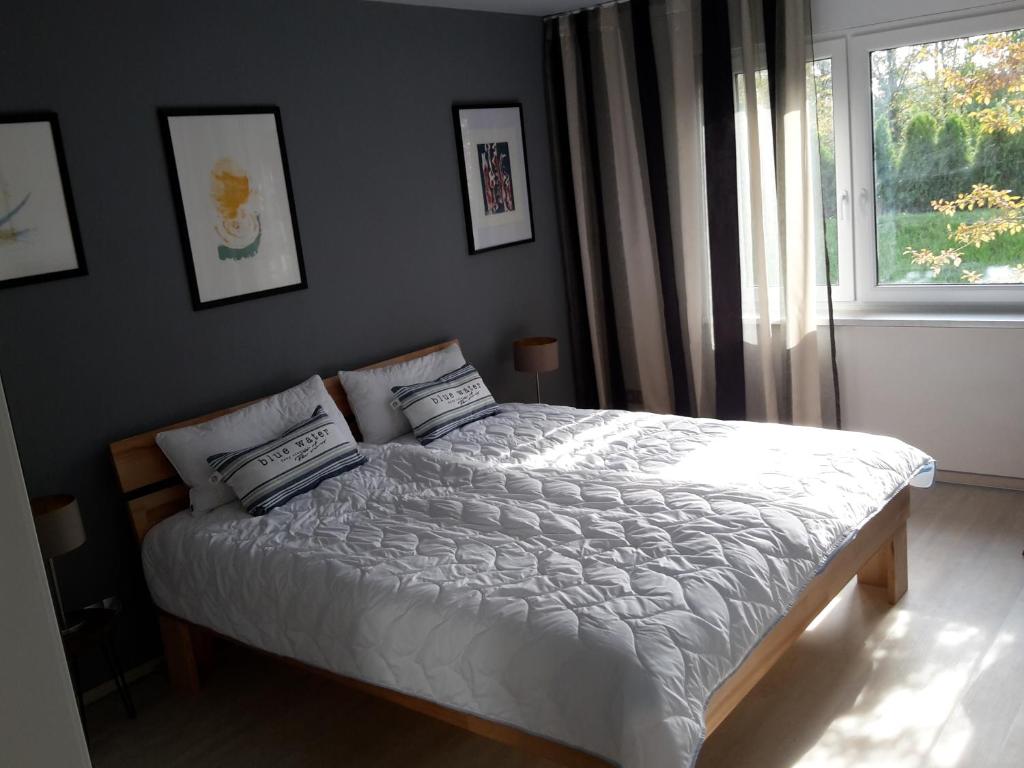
(58, 525)
(536, 354)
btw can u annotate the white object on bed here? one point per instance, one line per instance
(587, 576)
(269, 475)
(439, 406)
(187, 448)
(369, 391)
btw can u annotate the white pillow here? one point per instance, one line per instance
(369, 391)
(187, 448)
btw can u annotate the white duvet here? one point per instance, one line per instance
(587, 576)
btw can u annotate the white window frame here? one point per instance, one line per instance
(835, 49)
(862, 134)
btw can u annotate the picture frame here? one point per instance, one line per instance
(490, 141)
(236, 212)
(39, 235)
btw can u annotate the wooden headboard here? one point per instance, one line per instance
(150, 484)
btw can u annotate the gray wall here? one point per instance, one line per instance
(365, 92)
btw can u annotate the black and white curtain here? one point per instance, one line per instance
(684, 140)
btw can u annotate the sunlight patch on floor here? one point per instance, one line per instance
(900, 729)
(954, 635)
(1005, 641)
(919, 720)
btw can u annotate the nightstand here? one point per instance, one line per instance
(93, 627)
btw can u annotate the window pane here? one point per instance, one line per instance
(949, 160)
(819, 87)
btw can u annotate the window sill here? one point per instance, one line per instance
(949, 318)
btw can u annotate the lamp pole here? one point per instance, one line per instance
(52, 566)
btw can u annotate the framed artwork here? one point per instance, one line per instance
(39, 237)
(229, 171)
(495, 184)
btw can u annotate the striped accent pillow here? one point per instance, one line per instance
(435, 408)
(270, 474)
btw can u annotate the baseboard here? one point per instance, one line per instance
(107, 688)
(984, 481)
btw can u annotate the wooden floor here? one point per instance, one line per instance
(937, 680)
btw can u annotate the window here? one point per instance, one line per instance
(938, 159)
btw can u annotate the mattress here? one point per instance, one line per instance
(590, 577)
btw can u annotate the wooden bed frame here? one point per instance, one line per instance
(877, 556)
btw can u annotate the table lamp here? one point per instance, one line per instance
(536, 355)
(59, 529)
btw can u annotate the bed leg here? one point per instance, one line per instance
(181, 653)
(888, 567)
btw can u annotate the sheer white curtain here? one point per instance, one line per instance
(779, 209)
(675, 27)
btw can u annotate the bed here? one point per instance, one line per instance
(599, 587)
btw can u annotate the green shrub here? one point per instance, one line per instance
(953, 172)
(990, 159)
(885, 182)
(915, 177)
(999, 161)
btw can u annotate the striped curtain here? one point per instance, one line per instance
(686, 165)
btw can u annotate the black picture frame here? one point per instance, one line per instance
(164, 115)
(81, 268)
(463, 179)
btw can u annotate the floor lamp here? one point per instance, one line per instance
(59, 528)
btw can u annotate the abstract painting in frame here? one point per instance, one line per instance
(493, 172)
(39, 237)
(231, 183)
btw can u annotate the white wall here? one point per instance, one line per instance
(955, 392)
(39, 726)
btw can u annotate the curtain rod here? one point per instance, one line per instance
(593, 7)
